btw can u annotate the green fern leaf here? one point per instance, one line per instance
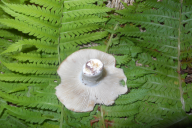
(37, 58)
(77, 115)
(166, 5)
(84, 20)
(47, 125)
(39, 102)
(136, 83)
(31, 30)
(99, 47)
(133, 50)
(187, 94)
(69, 3)
(148, 60)
(137, 72)
(158, 109)
(77, 29)
(4, 43)
(49, 4)
(163, 84)
(38, 12)
(32, 68)
(29, 116)
(178, 119)
(82, 39)
(149, 118)
(80, 10)
(31, 20)
(122, 59)
(27, 78)
(9, 88)
(9, 121)
(134, 95)
(125, 123)
(41, 45)
(121, 111)
(8, 35)
(162, 97)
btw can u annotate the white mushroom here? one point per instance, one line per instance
(88, 77)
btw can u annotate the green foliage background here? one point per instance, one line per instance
(36, 35)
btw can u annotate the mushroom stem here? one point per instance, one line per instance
(92, 72)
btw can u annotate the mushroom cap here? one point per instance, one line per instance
(78, 97)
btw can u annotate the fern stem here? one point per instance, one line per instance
(102, 118)
(110, 39)
(59, 58)
(178, 58)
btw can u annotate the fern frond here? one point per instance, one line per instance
(122, 59)
(31, 68)
(163, 46)
(133, 50)
(84, 20)
(40, 44)
(129, 30)
(155, 53)
(77, 29)
(172, 74)
(32, 10)
(187, 3)
(160, 15)
(148, 60)
(29, 29)
(77, 115)
(71, 3)
(45, 92)
(186, 50)
(178, 119)
(29, 116)
(8, 35)
(99, 47)
(149, 118)
(166, 5)
(133, 96)
(82, 39)
(125, 123)
(39, 102)
(31, 20)
(5, 43)
(159, 109)
(187, 94)
(137, 72)
(162, 97)
(9, 88)
(162, 84)
(49, 4)
(121, 111)
(136, 83)
(37, 58)
(85, 10)
(137, 20)
(27, 78)
(9, 121)
(18, 123)
(46, 125)
(168, 73)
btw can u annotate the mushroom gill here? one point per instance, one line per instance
(88, 77)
